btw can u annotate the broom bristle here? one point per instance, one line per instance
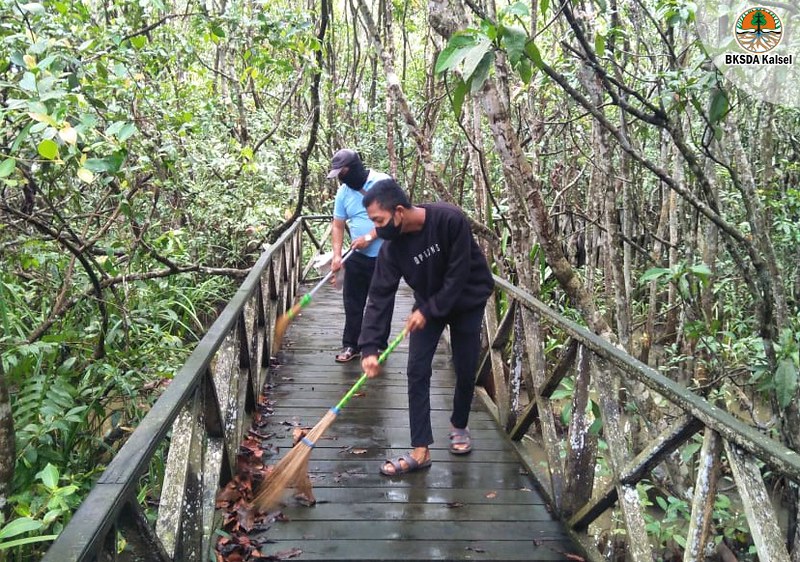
(280, 327)
(291, 467)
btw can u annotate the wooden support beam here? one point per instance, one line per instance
(758, 509)
(550, 384)
(701, 520)
(581, 453)
(639, 547)
(631, 473)
(142, 542)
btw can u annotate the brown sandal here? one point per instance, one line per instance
(347, 354)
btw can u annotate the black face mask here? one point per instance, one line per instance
(389, 231)
(356, 176)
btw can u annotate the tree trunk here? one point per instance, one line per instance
(417, 133)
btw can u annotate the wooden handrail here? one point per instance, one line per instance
(111, 505)
(572, 453)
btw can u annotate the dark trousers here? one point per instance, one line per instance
(465, 339)
(358, 274)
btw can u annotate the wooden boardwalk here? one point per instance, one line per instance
(481, 506)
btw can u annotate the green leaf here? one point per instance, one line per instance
(19, 526)
(600, 45)
(719, 106)
(21, 138)
(459, 92)
(28, 82)
(489, 29)
(785, 382)
(514, 39)
(49, 476)
(544, 4)
(217, 30)
(533, 53)
(516, 9)
(110, 164)
(654, 273)
(702, 271)
(28, 540)
(525, 71)
(474, 58)
(481, 72)
(126, 132)
(452, 55)
(139, 41)
(48, 149)
(7, 167)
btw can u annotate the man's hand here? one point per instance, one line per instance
(336, 265)
(370, 366)
(361, 242)
(415, 322)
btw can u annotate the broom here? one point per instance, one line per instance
(295, 464)
(283, 322)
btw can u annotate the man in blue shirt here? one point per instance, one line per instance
(348, 210)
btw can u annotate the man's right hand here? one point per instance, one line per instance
(370, 366)
(336, 265)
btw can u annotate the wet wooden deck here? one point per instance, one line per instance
(481, 506)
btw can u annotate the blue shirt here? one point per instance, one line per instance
(348, 206)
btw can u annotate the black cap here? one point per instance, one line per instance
(342, 158)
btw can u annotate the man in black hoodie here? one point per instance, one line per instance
(432, 248)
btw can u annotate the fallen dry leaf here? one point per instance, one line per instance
(491, 495)
(286, 554)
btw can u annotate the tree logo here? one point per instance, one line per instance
(758, 30)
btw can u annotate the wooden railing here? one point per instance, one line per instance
(517, 385)
(197, 423)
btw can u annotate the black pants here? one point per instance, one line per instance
(465, 339)
(358, 274)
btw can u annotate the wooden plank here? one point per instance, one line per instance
(442, 549)
(362, 495)
(408, 511)
(407, 531)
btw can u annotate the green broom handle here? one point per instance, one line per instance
(363, 378)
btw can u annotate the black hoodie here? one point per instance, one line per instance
(442, 263)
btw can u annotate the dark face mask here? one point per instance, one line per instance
(390, 230)
(356, 176)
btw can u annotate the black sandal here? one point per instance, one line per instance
(347, 354)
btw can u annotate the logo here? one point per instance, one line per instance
(758, 30)
(756, 48)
